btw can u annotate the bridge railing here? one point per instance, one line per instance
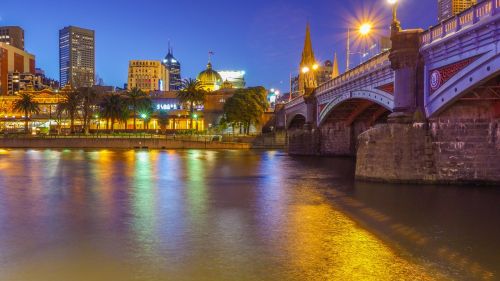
(359, 70)
(294, 102)
(467, 18)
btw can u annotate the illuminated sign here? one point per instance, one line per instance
(167, 106)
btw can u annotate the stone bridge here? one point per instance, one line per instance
(426, 111)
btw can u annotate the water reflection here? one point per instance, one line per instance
(230, 215)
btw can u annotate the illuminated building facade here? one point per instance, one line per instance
(12, 35)
(13, 60)
(148, 76)
(47, 99)
(236, 78)
(76, 57)
(174, 70)
(449, 8)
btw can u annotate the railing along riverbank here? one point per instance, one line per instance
(144, 141)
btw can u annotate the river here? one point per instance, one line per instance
(233, 215)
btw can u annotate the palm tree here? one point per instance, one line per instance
(191, 93)
(70, 105)
(27, 105)
(88, 97)
(112, 107)
(135, 98)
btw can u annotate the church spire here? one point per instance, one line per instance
(308, 53)
(335, 67)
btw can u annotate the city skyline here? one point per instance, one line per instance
(267, 56)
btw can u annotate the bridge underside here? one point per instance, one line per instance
(337, 134)
(340, 130)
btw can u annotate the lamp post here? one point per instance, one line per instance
(395, 26)
(364, 29)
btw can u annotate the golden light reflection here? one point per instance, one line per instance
(328, 245)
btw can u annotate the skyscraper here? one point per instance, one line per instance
(76, 57)
(174, 69)
(449, 8)
(12, 35)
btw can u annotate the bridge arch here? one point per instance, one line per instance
(296, 122)
(483, 68)
(383, 99)
(344, 122)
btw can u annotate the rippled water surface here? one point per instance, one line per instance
(233, 215)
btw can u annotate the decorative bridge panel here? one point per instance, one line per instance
(460, 54)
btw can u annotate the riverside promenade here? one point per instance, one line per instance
(143, 142)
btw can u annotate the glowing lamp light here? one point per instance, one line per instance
(305, 69)
(392, 2)
(315, 66)
(365, 28)
(143, 116)
(195, 116)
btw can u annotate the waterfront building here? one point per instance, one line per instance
(76, 57)
(12, 35)
(47, 99)
(210, 80)
(449, 8)
(13, 60)
(148, 76)
(174, 70)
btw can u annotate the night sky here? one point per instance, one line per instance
(262, 37)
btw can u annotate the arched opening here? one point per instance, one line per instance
(298, 122)
(481, 102)
(344, 123)
(467, 134)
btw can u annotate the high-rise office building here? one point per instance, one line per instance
(148, 76)
(449, 8)
(76, 57)
(12, 35)
(174, 69)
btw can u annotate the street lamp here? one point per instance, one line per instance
(395, 26)
(364, 30)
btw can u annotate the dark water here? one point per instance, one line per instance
(233, 215)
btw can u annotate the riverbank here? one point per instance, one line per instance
(119, 143)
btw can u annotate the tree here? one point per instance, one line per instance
(88, 98)
(245, 108)
(70, 105)
(27, 105)
(112, 107)
(191, 93)
(135, 98)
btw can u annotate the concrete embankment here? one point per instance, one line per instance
(119, 143)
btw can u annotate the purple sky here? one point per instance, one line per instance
(262, 37)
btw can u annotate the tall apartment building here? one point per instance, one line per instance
(148, 75)
(13, 60)
(449, 8)
(76, 56)
(12, 35)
